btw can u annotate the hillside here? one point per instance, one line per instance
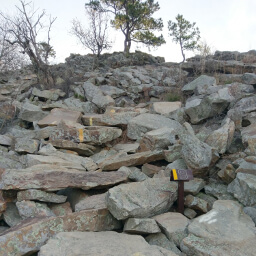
(85, 165)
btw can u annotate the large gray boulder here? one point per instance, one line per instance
(100, 243)
(243, 187)
(30, 235)
(95, 95)
(221, 138)
(202, 81)
(141, 199)
(225, 230)
(198, 155)
(144, 123)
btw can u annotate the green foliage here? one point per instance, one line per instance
(173, 96)
(184, 33)
(134, 19)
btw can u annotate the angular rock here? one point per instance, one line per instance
(94, 134)
(61, 209)
(150, 169)
(33, 160)
(144, 123)
(11, 215)
(161, 240)
(52, 94)
(158, 139)
(199, 83)
(30, 209)
(174, 226)
(101, 243)
(112, 91)
(91, 202)
(219, 232)
(30, 112)
(10, 160)
(25, 145)
(114, 163)
(127, 148)
(173, 153)
(249, 138)
(165, 108)
(198, 155)
(227, 174)
(248, 165)
(141, 199)
(218, 191)
(53, 178)
(221, 139)
(2, 203)
(208, 198)
(243, 187)
(141, 226)
(5, 140)
(251, 211)
(137, 175)
(81, 148)
(196, 203)
(194, 186)
(96, 96)
(190, 213)
(42, 196)
(58, 115)
(27, 237)
(249, 78)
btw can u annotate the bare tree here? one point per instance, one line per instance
(23, 30)
(95, 37)
(11, 57)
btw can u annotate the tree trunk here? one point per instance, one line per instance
(182, 52)
(127, 44)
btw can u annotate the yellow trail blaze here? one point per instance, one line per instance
(175, 176)
(81, 135)
(90, 122)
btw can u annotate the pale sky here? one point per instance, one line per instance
(224, 25)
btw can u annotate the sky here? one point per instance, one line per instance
(225, 25)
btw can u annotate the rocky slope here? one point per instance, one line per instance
(96, 152)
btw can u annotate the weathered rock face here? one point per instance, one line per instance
(101, 243)
(141, 124)
(198, 155)
(141, 199)
(244, 188)
(38, 195)
(165, 108)
(249, 138)
(141, 226)
(94, 134)
(201, 83)
(222, 138)
(219, 232)
(117, 161)
(174, 226)
(15, 241)
(58, 115)
(53, 94)
(52, 178)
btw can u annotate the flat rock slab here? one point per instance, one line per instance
(101, 243)
(165, 108)
(5, 140)
(38, 195)
(53, 178)
(93, 134)
(225, 230)
(114, 163)
(141, 226)
(143, 123)
(142, 199)
(57, 115)
(174, 226)
(29, 236)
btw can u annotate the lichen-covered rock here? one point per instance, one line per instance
(53, 178)
(141, 226)
(174, 226)
(243, 187)
(27, 237)
(101, 243)
(144, 123)
(218, 232)
(141, 199)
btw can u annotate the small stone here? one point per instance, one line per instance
(196, 203)
(141, 226)
(190, 213)
(150, 169)
(61, 209)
